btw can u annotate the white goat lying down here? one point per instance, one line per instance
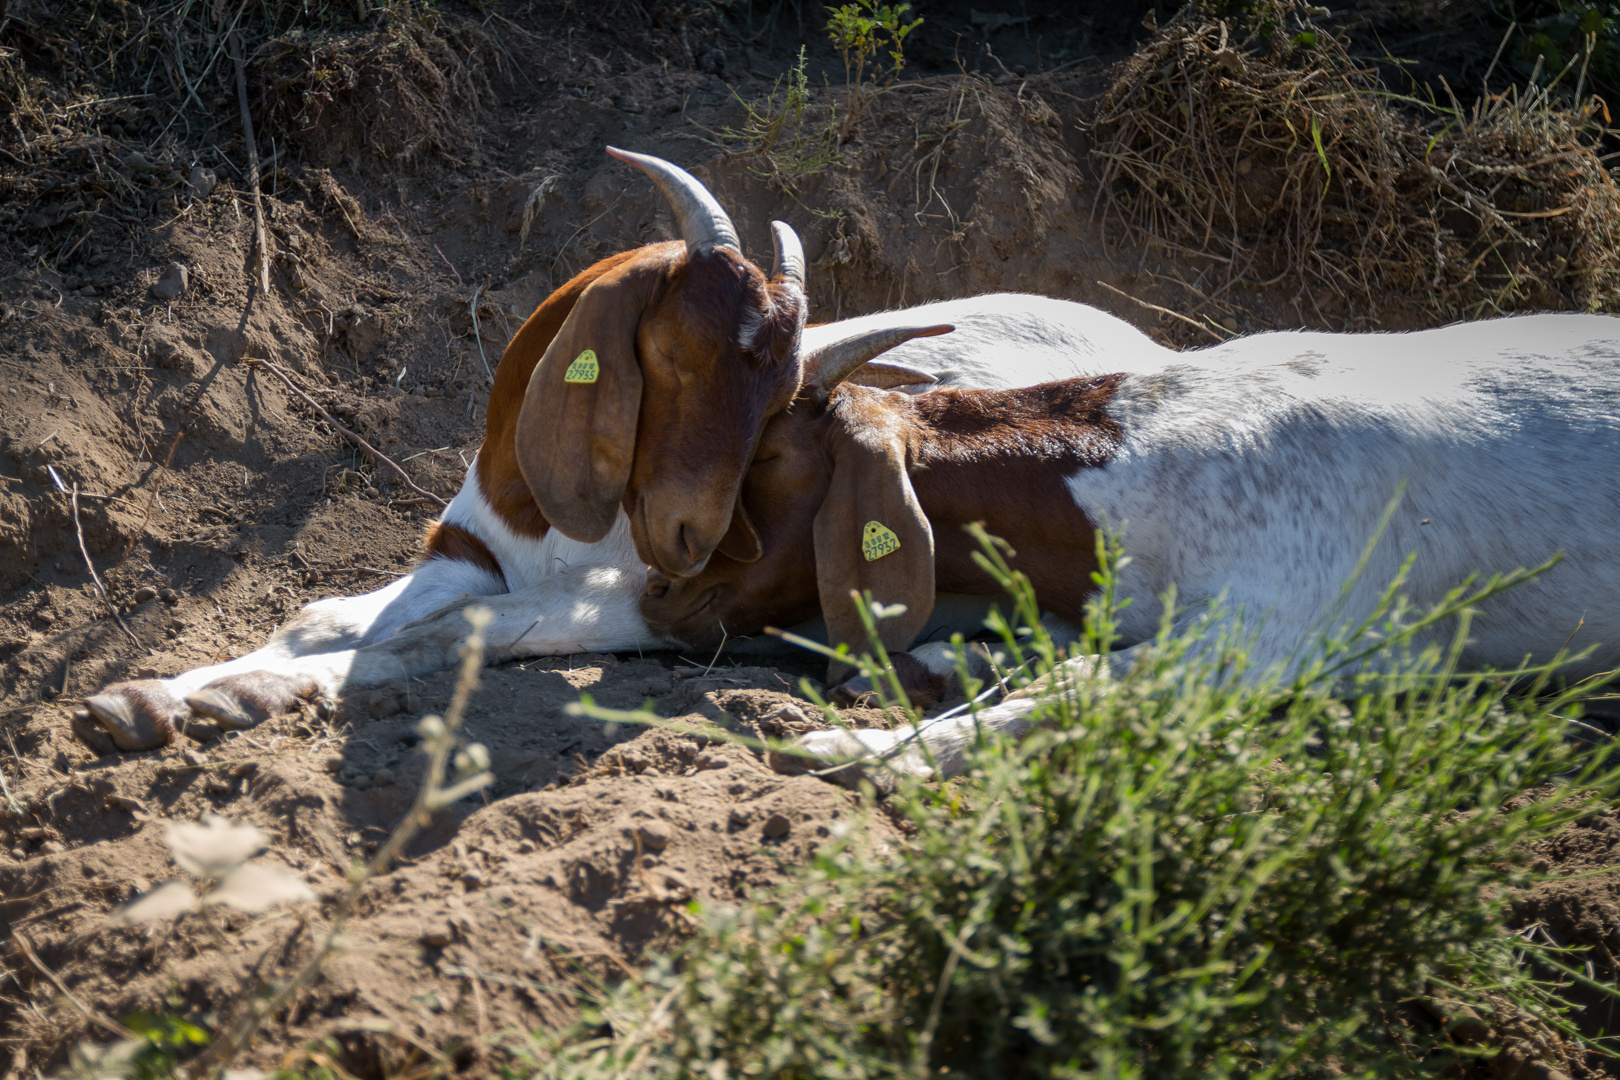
(1256, 470)
(554, 595)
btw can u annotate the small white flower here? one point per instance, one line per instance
(259, 887)
(214, 846)
(167, 900)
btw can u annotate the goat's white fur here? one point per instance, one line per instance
(561, 596)
(1259, 469)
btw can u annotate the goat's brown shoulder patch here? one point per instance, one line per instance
(446, 541)
(1002, 459)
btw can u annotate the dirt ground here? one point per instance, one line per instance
(213, 504)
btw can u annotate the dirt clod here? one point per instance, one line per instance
(654, 835)
(172, 284)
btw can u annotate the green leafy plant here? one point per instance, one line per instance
(1179, 873)
(787, 135)
(1555, 37)
(864, 32)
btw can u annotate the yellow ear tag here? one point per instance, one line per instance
(877, 540)
(584, 369)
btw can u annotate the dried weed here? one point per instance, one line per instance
(1265, 146)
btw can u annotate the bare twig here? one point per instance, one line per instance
(479, 334)
(91, 1015)
(448, 263)
(1162, 311)
(260, 239)
(101, 589)
(377, 455)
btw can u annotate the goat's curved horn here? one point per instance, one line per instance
(831, 364)
(704, 225)
(789, 261)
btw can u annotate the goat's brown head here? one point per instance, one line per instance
(822, 470)
(654, 391)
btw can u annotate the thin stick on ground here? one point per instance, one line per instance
(377, 455)
(261, 241)
(90, 1015)
(1162, 310)
(157, 487)
(101, 590)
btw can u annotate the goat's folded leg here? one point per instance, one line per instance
(929, 675)
(248, 699)
(937, 747)
(138, 715)
(934, 748)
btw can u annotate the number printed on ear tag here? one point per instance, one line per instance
(584, 369)
(877, 540)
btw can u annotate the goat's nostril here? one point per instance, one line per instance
(657, 583)
(689, 544)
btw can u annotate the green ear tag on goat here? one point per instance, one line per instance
(584, 369)
(877, 540)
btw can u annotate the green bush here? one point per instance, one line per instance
(790, 138)
(1180, 874)
(1554, 36)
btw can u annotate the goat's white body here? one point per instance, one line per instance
(1257, 471)
(1008, 340)
(560, 596)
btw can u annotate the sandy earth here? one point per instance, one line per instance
(214, 505)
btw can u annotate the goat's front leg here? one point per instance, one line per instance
(580, 609)
(142, 714)
(883, 756)
(929, 673)
(937, 747)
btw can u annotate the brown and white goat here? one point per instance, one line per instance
(1253, 473)
(622, 416)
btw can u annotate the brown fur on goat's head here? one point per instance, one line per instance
(783, 491)
(644, 383)
(824, 474)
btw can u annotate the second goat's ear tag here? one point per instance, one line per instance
(878, 540)
(584, 369)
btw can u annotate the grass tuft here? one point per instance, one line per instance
(1180, 873)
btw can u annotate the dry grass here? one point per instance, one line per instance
(104, 105)
(399, 93)
(1279, 156)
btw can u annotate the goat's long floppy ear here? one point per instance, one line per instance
(576, 432)
(871, 534)
(741, 541)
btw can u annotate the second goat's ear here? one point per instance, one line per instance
(741, 541)
(871, 535)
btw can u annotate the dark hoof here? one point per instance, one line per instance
(91, 733)
(856, 692)
(922, 687)
(242, 701)
(139, 715)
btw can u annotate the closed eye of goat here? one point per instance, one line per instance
(1254, 471)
